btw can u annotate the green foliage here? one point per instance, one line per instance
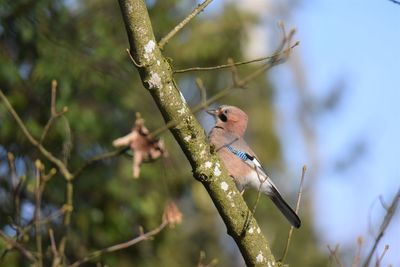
(82, 45)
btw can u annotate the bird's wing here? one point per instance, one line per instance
(240, 149)
(243, 151)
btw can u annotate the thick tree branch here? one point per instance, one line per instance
(156, 75)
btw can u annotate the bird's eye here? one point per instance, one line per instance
(226, 111)
(223, 118)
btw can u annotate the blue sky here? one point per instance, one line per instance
(357, 42)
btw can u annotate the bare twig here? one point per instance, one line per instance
(384, 205)
(390, 211)
(38, 200)
(13, 170)
(235, 75)
(183, 23)
(16, 187)
(379, 260)
(262, 181)
(334, 255)
(67, 216)
(370, 225)
(53, 98)
(67, 144)
(202, 89)
(357, 257)
(133, 60)
(238, 63)
(53, 111)
(53, 243)
(11, 242)
(303, 172)
(45, 220)
(47, 154)
(60, 164)
(99, 157)
(56, 256)
(120, 246)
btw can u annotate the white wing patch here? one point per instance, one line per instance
(257, 163)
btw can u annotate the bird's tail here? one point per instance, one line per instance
(286, 210)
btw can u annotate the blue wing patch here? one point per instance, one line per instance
(251, 160)
(242, 155)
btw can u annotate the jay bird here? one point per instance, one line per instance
(240, 161)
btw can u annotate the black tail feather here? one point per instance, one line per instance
(286, 210)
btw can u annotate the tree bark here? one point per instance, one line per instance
(157, 78)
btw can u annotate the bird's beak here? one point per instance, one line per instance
(213, 112)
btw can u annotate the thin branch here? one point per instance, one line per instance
(262, 181)
(67, 217)
(238, 63)
(53, 243)
(99, 157)
(53, 97)
(384, 205)
(47, 154)
(133, 60)
(56, 256)
(140, 238)
(390, 211)
(12, 169)
(370, 226)
(11, 242)
(357, 256)
(379, 260)
(183, 23)
(334, 255)
(38, 200)
(16, 189)
(61, 165)
(45, 220)
(53, 112)
(67, 144)
(202, 90)
(303, 172)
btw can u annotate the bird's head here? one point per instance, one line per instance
(230, 118)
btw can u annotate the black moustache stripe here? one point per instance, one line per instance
(222, 117)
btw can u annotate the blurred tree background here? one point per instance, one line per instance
(82, 45)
